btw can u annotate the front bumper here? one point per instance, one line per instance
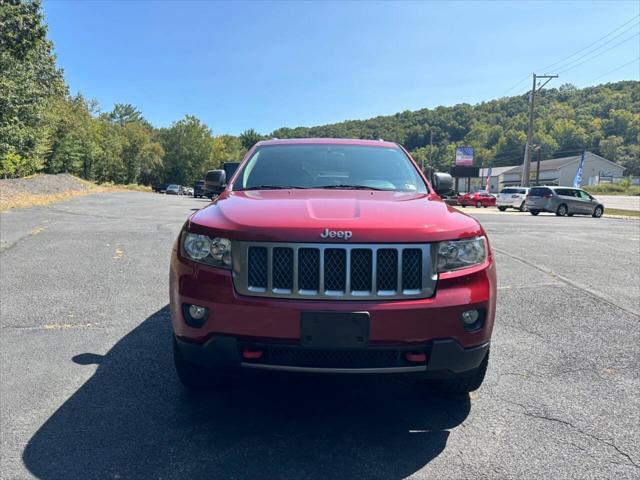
(429, 325)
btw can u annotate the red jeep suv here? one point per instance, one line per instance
(332, 256)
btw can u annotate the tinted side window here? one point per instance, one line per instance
(509, 190)
(566, 192)
(215, 176)
(539, 192)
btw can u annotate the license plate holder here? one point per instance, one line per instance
(334, 330)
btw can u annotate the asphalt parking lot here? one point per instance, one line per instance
(87, 387)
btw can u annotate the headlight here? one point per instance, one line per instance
(457, 254)
(211, 251)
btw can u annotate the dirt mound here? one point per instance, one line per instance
(41, 184)
(41, 189)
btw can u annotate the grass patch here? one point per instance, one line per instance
(623, 213)
(613, 189)
(118, 188)
(26, 200)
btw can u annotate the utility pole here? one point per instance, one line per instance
(539, 149)
(430, 152)
(526, 167)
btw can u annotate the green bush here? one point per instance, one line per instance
(622, 188)
(13, 165)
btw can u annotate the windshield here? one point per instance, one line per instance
(330, 166)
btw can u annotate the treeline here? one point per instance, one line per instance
(604, 119)
(45, 129)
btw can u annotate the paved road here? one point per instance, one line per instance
(88, 389)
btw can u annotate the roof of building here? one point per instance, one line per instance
(557, 163)
(495, 171)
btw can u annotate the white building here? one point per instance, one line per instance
(561, 171)
(497, 178)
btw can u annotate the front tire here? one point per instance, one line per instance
(534, 212)
(562, 210)
(597, 213)
(523, 207)
(194, 377)
(502, 209)
(478, 204)
(466, 382)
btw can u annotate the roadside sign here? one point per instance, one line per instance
(464, 156)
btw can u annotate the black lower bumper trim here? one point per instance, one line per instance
(449, 355)
(444, 357)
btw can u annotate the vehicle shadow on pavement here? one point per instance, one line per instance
(132, 419)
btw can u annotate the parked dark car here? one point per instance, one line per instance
(214, 183)
(198, 189)
(160, 188)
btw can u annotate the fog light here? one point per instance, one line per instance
(197, 312)
(195, 315)
(470, 317)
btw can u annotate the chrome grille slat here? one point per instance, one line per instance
(334, 271)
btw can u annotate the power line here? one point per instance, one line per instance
(601, 53)
(523, 79)
(517, 84)
(593, 43)
(598, 47)
(611, 71)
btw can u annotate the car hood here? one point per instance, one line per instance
(303, 215)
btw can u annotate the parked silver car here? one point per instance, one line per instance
(562, 201)
(173, 189)
(512, 197)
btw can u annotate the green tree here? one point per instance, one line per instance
(139, 150)
(67, 135)
(125, 113)
(249, 138)
(188, 147)
(29, 79)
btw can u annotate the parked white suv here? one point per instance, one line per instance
(512, 197)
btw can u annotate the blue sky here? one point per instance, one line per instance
(266, 65)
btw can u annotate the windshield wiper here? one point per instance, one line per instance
(272, 187)
(351, 187)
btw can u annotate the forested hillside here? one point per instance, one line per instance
(604, 119)
(43, 128)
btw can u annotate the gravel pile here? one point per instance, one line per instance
(41, 184)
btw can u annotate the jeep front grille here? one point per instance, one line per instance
(333, 271)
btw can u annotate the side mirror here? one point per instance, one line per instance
(216, 181)
(230, 168)
(442, 183)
